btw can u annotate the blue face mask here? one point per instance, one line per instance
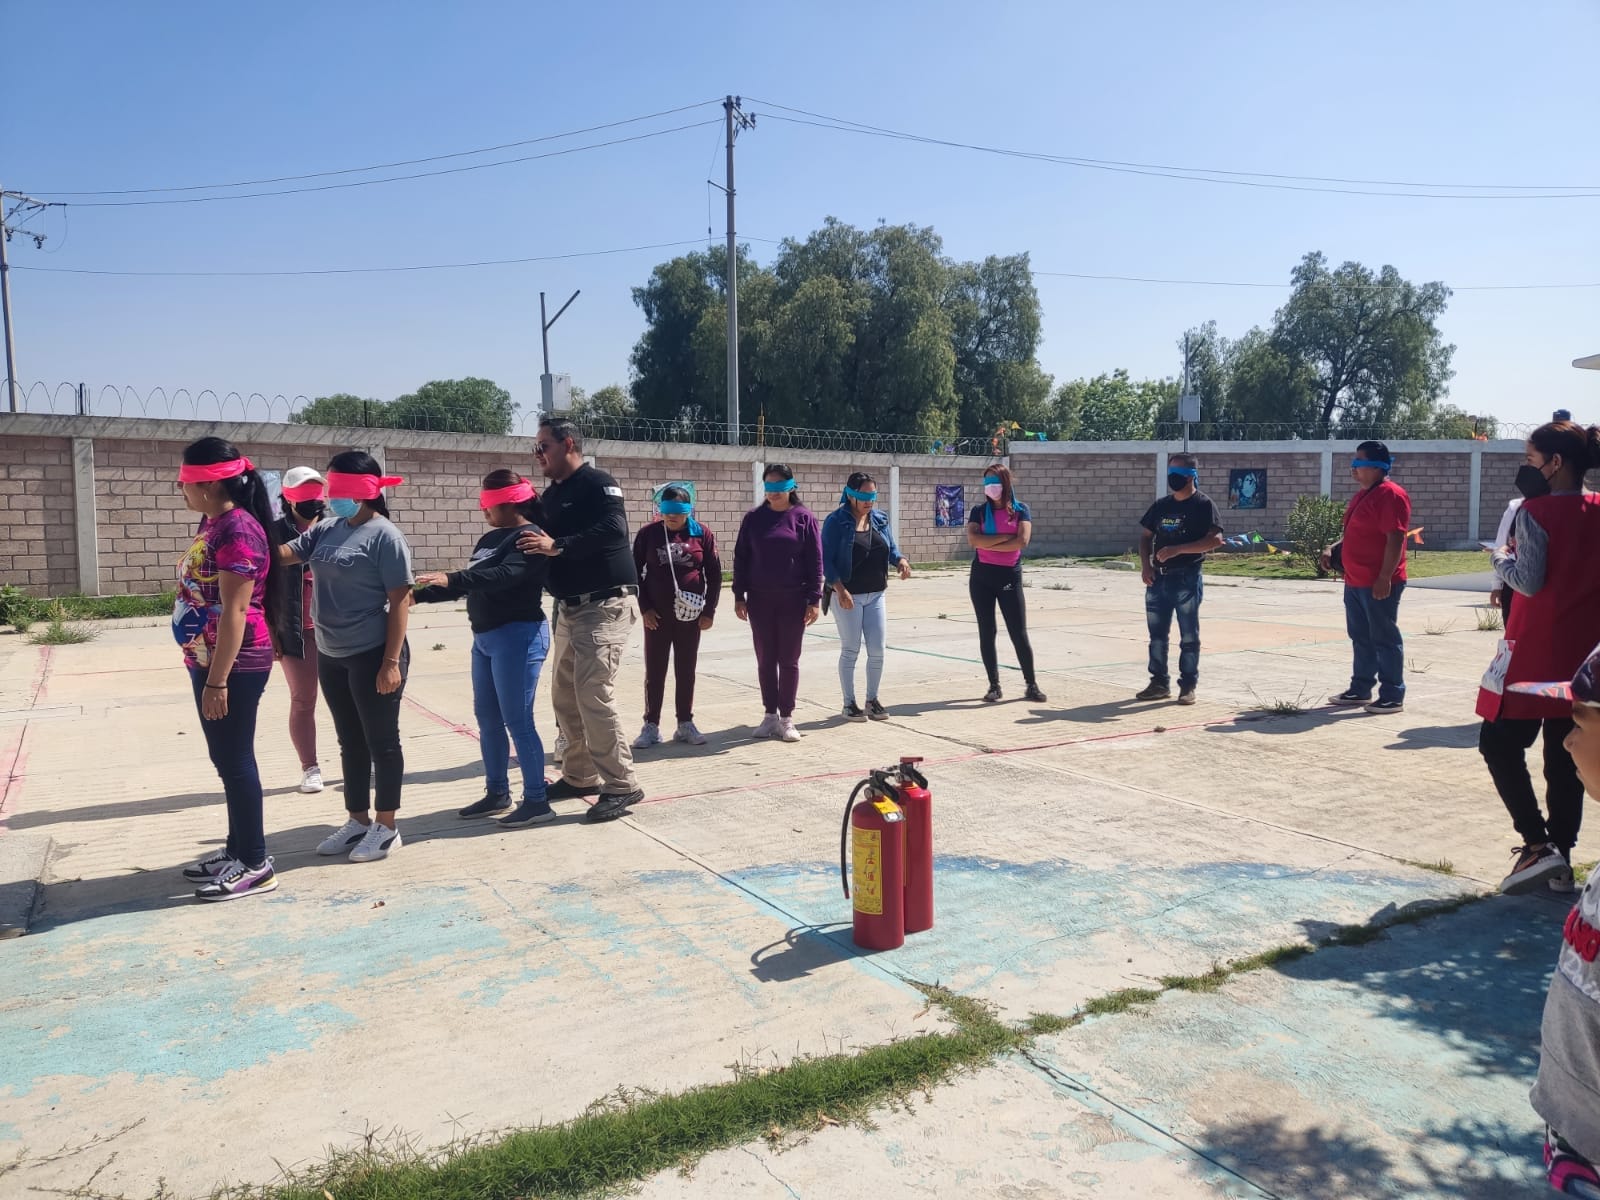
(345, 508)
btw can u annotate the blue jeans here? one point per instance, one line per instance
(505, 675)
(865, 619)
(1177, 592)
(232, 744)
(1380, 651)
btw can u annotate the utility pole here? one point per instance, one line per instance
(29, 206)
(547, 381)
(736, 121)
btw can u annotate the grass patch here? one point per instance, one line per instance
(1422, 564)
(1435, 628)
(1441, 867)
(58, 633)
(1490, 619)
(1282, 708)
(632, 1134)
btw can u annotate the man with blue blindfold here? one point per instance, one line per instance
(1175, 535)
(1372, 556)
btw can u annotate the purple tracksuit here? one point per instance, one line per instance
(777, 572)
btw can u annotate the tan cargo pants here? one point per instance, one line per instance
(587, 652)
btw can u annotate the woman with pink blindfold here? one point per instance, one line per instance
(510, 642)
(227, 617)
(360, 601)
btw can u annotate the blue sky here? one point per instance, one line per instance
(102, 95)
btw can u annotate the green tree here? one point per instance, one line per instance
(1112, 408)
(1371, 340)
(994, 318)
(342, 408)
(468, 405)
(611, 401)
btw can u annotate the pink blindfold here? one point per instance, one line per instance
(306, 491)
(518, 493)
(212, 472)
(359, 487)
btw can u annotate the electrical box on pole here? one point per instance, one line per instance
(555, 393)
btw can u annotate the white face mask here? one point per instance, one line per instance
(995, 491)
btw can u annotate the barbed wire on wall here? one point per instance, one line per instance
(1290, 431)
(182, 404)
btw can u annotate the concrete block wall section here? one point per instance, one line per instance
(38, 543)
(1086, 498)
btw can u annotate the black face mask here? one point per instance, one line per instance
(310, 510)
(1531, 481)
(1178, 482)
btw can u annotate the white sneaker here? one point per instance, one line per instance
(342, 839)
(649, 736)
(688, 734)
(311, 781)
(786, 730)
(560, 750)
(770, 727)
(377, 843)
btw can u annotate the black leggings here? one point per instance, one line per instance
(1503, 745)
(368, 725)
(989, 585)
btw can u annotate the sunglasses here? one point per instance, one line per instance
(540, 449)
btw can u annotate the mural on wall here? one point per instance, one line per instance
(948, 509)
(1247, 488)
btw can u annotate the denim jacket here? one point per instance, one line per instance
(839, 539)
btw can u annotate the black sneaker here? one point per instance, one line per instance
(1386, 706)
(993, 695)
(1035, 695)
(1535, 866)
(1156, 691)
(853, 712)
(492, 804)
(876, 711)
(1349, 700)
(612, 805)
(563, 790)
(529, 812)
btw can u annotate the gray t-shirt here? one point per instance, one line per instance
(353, 569)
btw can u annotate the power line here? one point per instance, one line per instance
(386, 166)
(449, 266)
(329, 187)
(1196, 174)
(501, 262)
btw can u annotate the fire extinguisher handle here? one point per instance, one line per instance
(844, 836)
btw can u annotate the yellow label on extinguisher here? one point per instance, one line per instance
(866, 870)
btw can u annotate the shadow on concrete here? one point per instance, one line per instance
(804, 949)
(1465, 1159)
(1474, 979)
(1287, 723)
(68, 901)
(1434, 737)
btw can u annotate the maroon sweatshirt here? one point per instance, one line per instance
(693, 558)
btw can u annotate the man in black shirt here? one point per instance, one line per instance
(592, 578)
(1176, 533)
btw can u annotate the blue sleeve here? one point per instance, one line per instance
(837, 555)
(1023, 514)
(887, 529)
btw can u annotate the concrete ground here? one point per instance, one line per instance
(480, 979)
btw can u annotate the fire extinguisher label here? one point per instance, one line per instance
(866, 870)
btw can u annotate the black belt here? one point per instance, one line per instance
(1171, 568)
(615, 593)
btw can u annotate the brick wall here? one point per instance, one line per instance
(37, 549)
(1085, 503)
(1085, 499)
(1438, 485)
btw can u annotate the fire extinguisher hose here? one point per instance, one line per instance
(844, 836)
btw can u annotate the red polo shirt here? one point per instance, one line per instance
(1369, 519)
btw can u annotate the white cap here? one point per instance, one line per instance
(300, 476)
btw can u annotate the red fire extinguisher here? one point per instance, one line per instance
(916, 801)
(874, 841)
